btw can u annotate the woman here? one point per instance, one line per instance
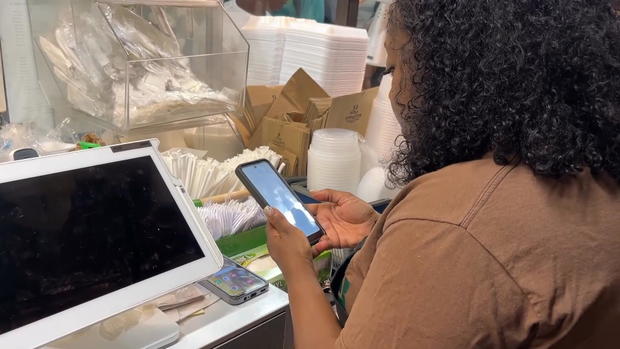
(310, 9)
(240, 11)
(507, 234)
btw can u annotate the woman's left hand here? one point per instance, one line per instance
(288, 246)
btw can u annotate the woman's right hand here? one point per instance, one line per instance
(346, 219)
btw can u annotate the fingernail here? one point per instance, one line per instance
(268, 211)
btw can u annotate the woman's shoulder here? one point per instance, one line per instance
(450, 194)
(533, 228)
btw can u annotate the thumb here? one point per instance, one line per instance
(319, 247)
(330, 195)
(277, 220)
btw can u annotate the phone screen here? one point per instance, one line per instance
(277, 194)
(234, 280)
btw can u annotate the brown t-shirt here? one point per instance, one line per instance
(478, 255)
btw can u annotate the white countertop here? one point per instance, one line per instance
(221, 319)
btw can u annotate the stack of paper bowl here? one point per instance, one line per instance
(383, 127)
(334, 56)
(334, 160)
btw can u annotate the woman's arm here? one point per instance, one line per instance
(314, 323)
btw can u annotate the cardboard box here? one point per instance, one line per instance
(300, 108)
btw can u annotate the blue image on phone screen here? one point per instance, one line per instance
(278, 195)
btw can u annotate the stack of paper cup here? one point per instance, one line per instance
(334, 160)
(383, 127)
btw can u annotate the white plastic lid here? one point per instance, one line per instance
(335, 140)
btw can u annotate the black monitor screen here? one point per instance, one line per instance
(70, 237)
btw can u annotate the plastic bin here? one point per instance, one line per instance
(138, 67)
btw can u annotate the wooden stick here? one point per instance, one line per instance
(235, 195)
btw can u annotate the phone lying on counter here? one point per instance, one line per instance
(235, 284)
(270, 189)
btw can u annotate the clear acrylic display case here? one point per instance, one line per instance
(138, 67)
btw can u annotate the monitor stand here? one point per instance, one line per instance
(145, 327)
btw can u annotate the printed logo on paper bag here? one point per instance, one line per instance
(354, 115)
(279, 141)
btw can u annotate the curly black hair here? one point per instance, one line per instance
(537, 79)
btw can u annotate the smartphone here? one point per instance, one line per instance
(235, 284)
(270, 189)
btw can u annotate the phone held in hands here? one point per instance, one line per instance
(270, 189)
(235, 284)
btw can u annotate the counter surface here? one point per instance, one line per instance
(222, 321)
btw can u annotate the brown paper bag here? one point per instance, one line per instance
(288, 135)
(296, 94)
(258, 100)
(317, 113)
(351, 112)
(288, 158)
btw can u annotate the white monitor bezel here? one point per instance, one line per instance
(58, 325)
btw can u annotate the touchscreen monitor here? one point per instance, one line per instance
(70, 237)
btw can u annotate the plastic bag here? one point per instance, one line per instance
(62, 138)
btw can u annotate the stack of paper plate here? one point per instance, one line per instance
(334, 56)
(266, 38)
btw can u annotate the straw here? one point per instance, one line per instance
(231, 217)
(209, 177)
